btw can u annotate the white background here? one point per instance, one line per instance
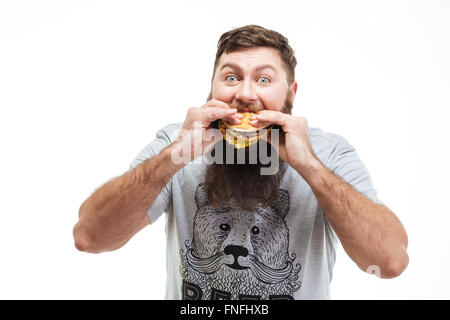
(84, 85)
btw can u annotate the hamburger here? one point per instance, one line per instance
(244, 134)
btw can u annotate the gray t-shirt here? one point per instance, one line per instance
(286, 251)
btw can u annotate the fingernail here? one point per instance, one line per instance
(239, 115)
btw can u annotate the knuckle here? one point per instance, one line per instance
(208, 103)
(192, 114)
(301, 122)
(214, 112)
(191, 110)
(216, 102)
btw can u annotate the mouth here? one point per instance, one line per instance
(248, 108)
(243, 134)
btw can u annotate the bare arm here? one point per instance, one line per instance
(118, 210)
(370, 233)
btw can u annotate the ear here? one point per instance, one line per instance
(293, 90)
(280, 203)
(201, 198)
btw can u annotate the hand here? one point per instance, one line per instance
(294, 144)
(196, 136)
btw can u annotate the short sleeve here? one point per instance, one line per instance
(345, 162)
(164, 138)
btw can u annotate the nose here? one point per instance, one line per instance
(236, 251)
(246, 93)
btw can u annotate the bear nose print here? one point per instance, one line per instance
(236, 251)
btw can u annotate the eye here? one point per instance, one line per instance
(263, 80)
(255, 230)
(224, 227)
(231, 78)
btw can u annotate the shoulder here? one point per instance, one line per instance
(169, 132)
(325, 138)
(164, 137)
(325, 144)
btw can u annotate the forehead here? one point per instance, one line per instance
(250, 58)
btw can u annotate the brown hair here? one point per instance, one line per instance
(256, 36)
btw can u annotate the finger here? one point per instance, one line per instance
(270, 116)
(216, 103)
(234, 119)
(214, 113)
(259, 123)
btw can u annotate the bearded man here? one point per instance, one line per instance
(232, 231)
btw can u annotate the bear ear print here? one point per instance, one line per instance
(201, 198)
(280, 203)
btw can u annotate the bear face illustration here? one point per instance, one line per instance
(240, 253)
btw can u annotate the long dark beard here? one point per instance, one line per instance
(242, 182)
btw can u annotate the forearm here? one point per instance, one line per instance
(370, 233)
(116, 211)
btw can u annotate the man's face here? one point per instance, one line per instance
(248, 77)
(255, 76)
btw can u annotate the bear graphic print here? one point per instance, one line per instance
(237, 253)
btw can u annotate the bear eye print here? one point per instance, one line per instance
(224, 227)
(255, 230)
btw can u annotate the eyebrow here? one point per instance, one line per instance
(239, 69)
